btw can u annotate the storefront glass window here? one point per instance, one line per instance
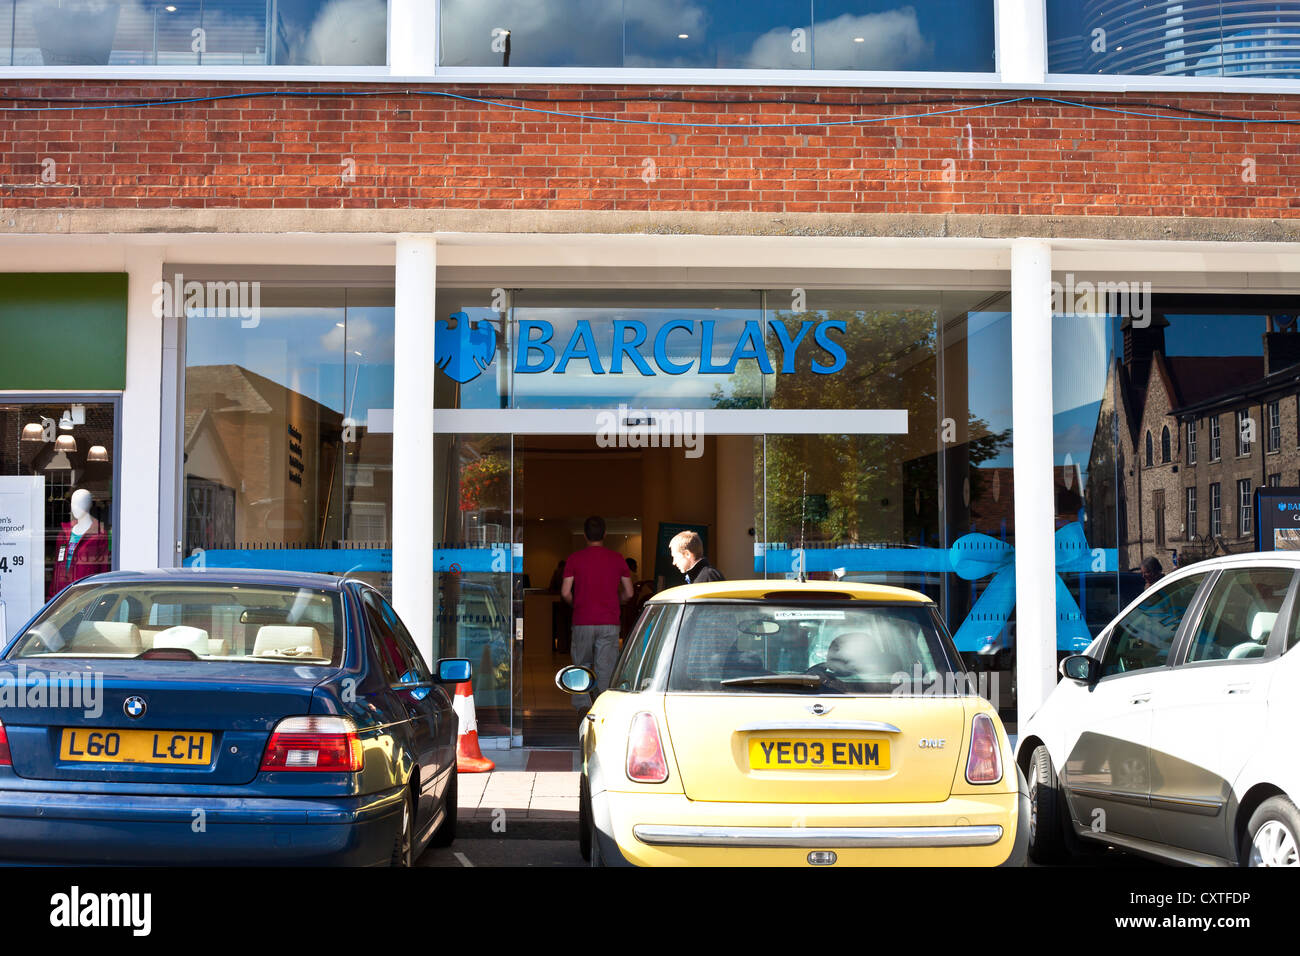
(288, 433)
(193, 33)
(930, 509)
(928, 35)
(1175, 365)
(899, 471)
(58, 462)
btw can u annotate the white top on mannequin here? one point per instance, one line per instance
(81, 502)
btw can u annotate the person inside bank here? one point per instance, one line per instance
(687, 552)
(597, 581)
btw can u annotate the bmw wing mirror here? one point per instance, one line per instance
(453, 670)
(575, 680)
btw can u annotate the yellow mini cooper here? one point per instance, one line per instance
(795, 723)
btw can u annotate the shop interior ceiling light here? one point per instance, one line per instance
(66, 443)
(33, 431)
(97, 453)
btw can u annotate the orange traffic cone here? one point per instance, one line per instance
(469, 759)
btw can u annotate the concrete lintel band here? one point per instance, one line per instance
(23, 224)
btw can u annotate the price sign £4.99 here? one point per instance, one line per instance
(22, 543)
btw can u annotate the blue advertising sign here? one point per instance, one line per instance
(1277, 519)
(465, 350)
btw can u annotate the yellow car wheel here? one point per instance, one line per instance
(584, 819)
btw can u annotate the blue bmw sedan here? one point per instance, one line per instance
(223, 717)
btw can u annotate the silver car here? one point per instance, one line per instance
(1172, 735)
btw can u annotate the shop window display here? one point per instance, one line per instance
(57, 492)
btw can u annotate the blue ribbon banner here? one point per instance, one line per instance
(498, 558)
(971, 557)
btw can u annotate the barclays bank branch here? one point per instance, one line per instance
(438, 415)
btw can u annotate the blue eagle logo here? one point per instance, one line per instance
(465, 349)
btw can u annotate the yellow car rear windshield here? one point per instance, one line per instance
(845, 649)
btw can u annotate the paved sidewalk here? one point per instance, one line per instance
(522, 794)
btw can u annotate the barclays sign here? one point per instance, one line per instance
(679, 347)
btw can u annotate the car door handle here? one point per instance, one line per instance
(1143, 698)
(1239, 688)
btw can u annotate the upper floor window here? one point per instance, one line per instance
(193, 33)
(1166, 453)
(1244, 502)
(1245, 432)
(884, 35)
(1150, 451)
(1191, 442)
(1216, 511)
(1191, 38)
(1275, 426)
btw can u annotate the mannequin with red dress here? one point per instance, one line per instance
(83, 547)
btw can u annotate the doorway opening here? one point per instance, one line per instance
(645, 496)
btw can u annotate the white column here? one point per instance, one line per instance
(1031, 408)
(413, 586)
(139, 460)
(1022, 40)
(412, 37)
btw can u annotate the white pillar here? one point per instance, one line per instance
(413, 587)
(412, 37)
(139, 459)
(1022, 41)
(1031, 405)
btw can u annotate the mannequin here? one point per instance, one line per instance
(83, 545)
(81, 502)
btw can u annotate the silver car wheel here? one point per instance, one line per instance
(1033, 806)
(1274, 845)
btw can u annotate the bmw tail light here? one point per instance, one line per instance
(314, 743)
(5, 759)
(984, 764)
(645, 751)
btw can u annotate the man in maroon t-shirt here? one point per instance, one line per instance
(596, 582)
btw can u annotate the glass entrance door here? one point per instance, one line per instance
(477, 573)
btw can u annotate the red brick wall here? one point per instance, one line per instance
(415, 151)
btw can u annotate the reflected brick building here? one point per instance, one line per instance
(1189, 440)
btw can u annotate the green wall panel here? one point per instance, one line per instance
(63, 331)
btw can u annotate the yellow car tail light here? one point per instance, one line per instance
(645, 751)
(984, 764)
